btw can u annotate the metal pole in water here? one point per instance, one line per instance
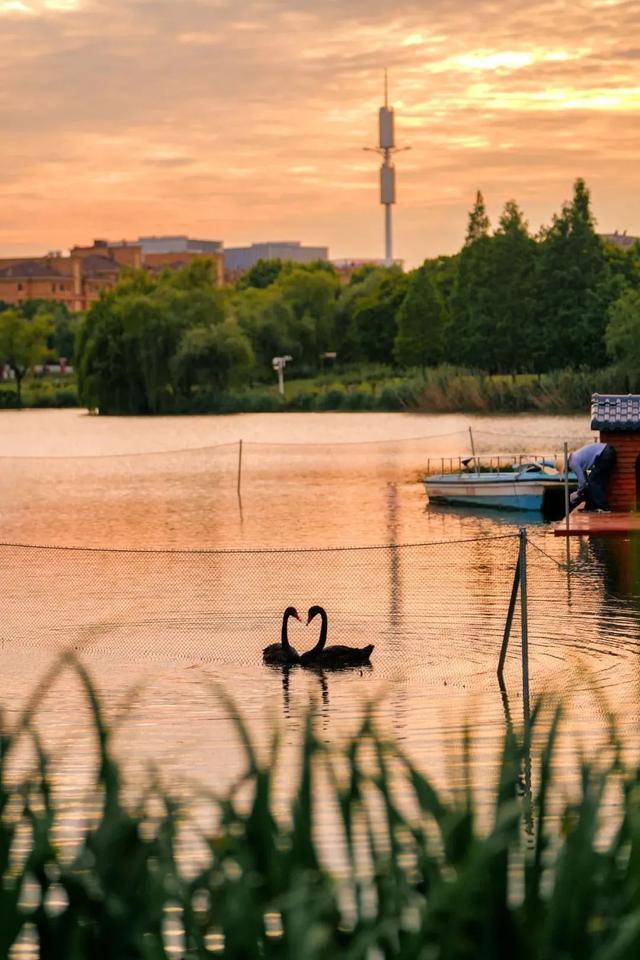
(239, 465)
(524, 624)
(508, 623)
(566, 484)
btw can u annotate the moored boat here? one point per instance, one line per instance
(527, 486)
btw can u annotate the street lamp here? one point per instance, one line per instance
(278, 364)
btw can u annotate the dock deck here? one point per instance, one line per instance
(583, 524)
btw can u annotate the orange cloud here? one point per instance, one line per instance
(191, 116)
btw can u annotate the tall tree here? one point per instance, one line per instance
(420, 338)
(472, 320)
(478, 225)
(571, 290)
(511, 287)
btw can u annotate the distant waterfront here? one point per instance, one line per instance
(373, 388)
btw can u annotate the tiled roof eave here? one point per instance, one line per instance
(612, 427)
(615, 412)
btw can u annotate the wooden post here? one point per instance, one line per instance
(524, 624)
(508, 623)
(239, 466)
(473, 449)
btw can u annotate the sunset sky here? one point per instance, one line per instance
(246, 121)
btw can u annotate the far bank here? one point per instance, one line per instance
(438, 390)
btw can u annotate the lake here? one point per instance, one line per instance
(204, 593)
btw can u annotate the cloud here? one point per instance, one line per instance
(248, 122)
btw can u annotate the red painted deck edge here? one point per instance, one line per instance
(584, 524)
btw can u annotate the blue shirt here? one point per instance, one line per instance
(583, 459)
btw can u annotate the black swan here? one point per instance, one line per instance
(335, 656)
(282, 653)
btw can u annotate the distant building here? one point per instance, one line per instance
(77, 279)
(178, 244)
(619, 239)
(239, 259)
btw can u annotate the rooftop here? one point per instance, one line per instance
(96, 263)
(615, 411)
(26, 269)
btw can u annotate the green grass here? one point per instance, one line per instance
(422, 880)
(51, 391)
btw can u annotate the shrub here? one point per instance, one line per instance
(9, 400)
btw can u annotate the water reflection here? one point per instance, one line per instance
(287, 672)
(495, 518)
(618, 558)
(296, 673)
(524, 784)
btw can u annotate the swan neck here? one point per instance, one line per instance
(322, 639)
(284, 636)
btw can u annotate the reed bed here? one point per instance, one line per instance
(422, 880)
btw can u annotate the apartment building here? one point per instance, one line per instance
(239, 259)
(76, 279)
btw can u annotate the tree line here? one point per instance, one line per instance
(507, 302)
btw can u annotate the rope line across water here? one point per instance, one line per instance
(225, 551)
(113, 456)
(232, 443)
(544, 552)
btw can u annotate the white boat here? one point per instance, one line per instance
(528, 486)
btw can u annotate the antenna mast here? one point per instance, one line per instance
(386, 148)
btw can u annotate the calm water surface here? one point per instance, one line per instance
(174, 623)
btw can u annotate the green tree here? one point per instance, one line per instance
(443, 271)
(65, 325)
(261, 275)
(267, 320)
(478, 225)
(366, 314)
(129, 339)
(511, 281)
(420, 337)
(311, 295)
(472, 321)
(23, 342)
(218, 356)
(374, 316)
(572, 289)
(623, 333)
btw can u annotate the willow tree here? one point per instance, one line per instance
(129, 341)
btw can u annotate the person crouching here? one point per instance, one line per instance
(592, 465)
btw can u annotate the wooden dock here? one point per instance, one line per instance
(586, 524)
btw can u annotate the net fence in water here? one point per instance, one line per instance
(429, 608)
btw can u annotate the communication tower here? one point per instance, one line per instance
(386, 149)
